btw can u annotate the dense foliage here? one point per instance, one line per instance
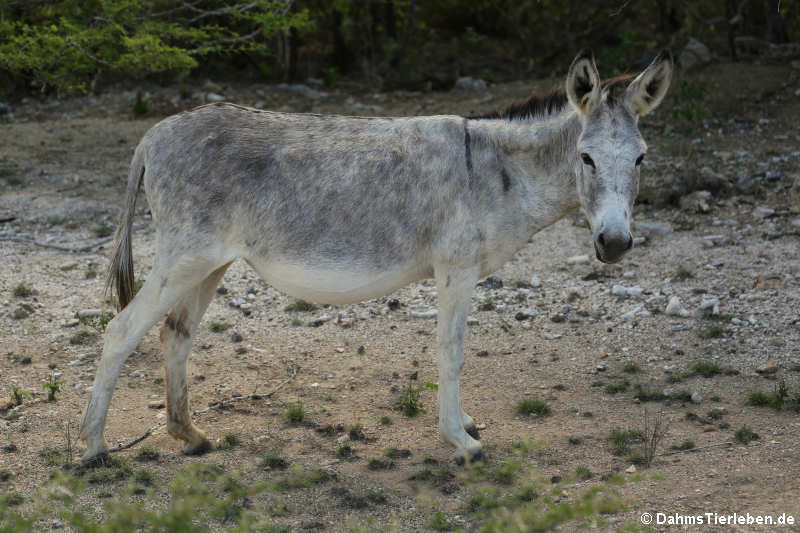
(68, 45)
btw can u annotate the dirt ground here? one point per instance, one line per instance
(62, 175)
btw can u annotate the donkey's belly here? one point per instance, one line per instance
(336, 285)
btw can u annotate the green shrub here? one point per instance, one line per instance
(532, 406)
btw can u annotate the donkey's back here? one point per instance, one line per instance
(330, 208)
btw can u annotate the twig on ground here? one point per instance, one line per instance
(216, 405)
(697, 448)
(73, 249)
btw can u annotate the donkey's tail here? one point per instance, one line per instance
(120, 278)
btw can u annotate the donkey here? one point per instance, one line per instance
(339, 209)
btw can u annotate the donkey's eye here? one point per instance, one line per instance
(587, 160)
(639, 160)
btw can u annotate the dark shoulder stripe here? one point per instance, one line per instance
(468, 151)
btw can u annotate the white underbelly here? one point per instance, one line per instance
(333, 285)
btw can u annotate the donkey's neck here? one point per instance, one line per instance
(536, 158)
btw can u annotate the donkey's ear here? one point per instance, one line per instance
(648, 89)
(583, 83)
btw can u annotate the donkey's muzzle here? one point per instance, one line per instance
(609, 247)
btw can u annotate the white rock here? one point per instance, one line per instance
(710, 305)
(138, 374)
(468, 83)
(631, 469)
(536, 282)
(89, 313)
(697, 397)
(431, 313)
(762, 212)
(578, 259)
(630, 315)
(70, 323)
(214, 97)
(675, 308)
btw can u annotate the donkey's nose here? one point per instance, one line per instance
(610, 246)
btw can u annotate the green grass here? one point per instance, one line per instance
(745, 435)
(385, 420)
(300, 306)
(394, 453)
(532, 406)
(712, 331)
(615, 388)
(229, 441)
(295, 413)
(274, 461)
(299, 478)
(682, 274)
(631, 368)
(218, 327)
(345, 451)
(776, 399)
(688, 444)
(487, 305)
(439, 522)
(356, 432)
(620, 440)
(103, 230)
(709, 369)
(644, 394)
(296, 323)
(22, 291)
(147, 454)
(410, 403)
(582, 473)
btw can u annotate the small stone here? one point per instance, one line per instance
(670, 369)
(55, 523)
(236, 337)
(347, 322)
(20, 313)
(240, 350)
(601, 367)
(653, 229)
(761, 212)
(536, 282)
(525, 314)
(631, 469)
(156, 404)
(69, 266)
(715, 240)
(138, 374)
(770, 366)
(70, 323)
(558, 318)
(492, 282)
(630, 315)
(675, 308)
(214, 97)
(710, 306)
(472, 321)
(237, 302)
(697, 397)
(431, 313)
(578, 260)
(89, 313)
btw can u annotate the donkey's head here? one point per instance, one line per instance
(610, 147)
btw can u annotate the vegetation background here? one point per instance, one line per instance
(66, 46)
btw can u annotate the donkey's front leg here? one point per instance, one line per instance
(455, 290)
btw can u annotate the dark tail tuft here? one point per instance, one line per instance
(120, 279)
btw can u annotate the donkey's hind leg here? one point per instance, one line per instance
(167, 282)
(176, 341)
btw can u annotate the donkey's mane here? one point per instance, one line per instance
(553, 101)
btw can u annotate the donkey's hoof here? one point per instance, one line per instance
(200, 447)
(96, 460)
(469, 456)
(472, 431)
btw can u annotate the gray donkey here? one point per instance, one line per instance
(340, 209)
